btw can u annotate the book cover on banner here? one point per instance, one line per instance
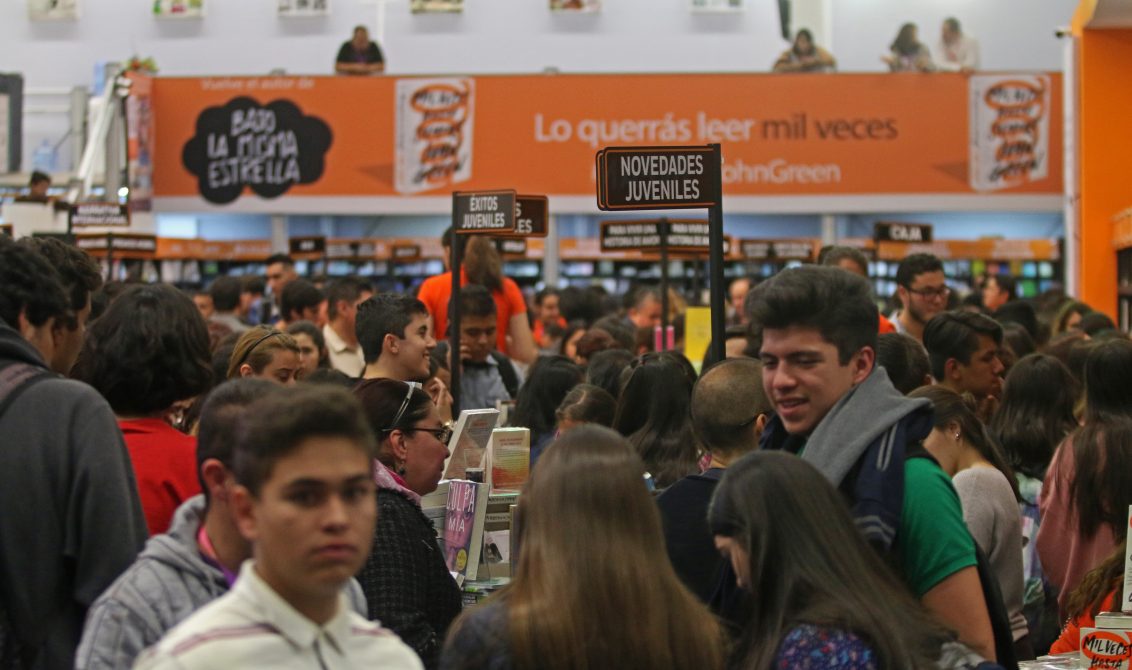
(469, 441)
(463, 528)
(1009, 129)
(509, 459)
(435, 121)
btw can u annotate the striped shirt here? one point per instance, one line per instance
(253, 627)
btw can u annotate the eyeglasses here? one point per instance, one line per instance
(443, 434)
(404, 405)
(930, 293)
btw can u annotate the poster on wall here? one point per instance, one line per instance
(1010, 130)
(708, 6)
(300, 8)
(436, 6)
(435, 125)
(575, 5)
(53, 10)
(178, 9)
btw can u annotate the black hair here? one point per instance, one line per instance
(149, 350)
(803, 32)
(586, 403)
(547, 292)
(220, 416)
(639, 294)
(276, 425)
(1036, 412)
(905, 44)
(79, 274)
(225, 292)
(952, 23)
(732, 332)
(832, 255)
(1005, 282)
(726, 401)
(385, 314)
(38, 177)
(809, 563)
(476, 300)
(280, 258)
(952, 408)
(347, 289)
(381, 398)
(1016, 337)
(296, 296)
(654, 413)
(904, 359)
(1096, 323)
(252, 284)
(625, 334)
(315, 333)
(29, 284)
(955, 335)
(605, 368)
(1022, 313)
(547, 383)
(576, 304)
(915, 265)
(838, 304)
(330, 376)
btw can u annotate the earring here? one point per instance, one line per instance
(956, 436)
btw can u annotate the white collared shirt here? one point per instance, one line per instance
(253, 627)
(343, 357)
(962, 54)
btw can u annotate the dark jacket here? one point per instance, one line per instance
(691, 549)
(70, 518)
(405, 581)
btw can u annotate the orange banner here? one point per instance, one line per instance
(291, 137)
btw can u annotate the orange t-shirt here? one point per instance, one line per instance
(1070, 639)
(436, 291)
(885, 326)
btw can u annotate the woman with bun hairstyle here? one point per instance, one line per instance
(592, 587)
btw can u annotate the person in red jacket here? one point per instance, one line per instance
(148, 356)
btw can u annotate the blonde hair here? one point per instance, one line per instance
(257, 348)
(591, 531)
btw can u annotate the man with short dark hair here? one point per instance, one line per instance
(194, 562)
(280, 272)
(252, 308)
(301, 301)
(304, 497)
(923, 291)
(817, 328)
(72, 520)
(393, 330)
(343, 297)
(225, 292)
(728, 415)
(203, 300)
(964, 352)
(643, 306)
(852, 260)
(905, 360)
(80, 277)
(38, 185)
(487, 375)
(360, 55)
(998, 289)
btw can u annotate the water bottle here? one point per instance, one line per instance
(43, 159)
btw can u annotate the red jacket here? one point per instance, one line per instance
(165, 466)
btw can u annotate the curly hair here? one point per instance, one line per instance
(149, 350)
(79, 275)
(29, 285)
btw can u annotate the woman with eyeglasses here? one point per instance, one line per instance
(268, 354)
(406, 583)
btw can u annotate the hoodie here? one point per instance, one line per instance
(169, 581)
(70, 519)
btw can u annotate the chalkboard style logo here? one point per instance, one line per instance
(435, 124)
(268, 149)
(1010, 130)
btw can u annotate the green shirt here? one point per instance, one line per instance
(933, 541)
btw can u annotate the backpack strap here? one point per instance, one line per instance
(15, 378)
(507, 372)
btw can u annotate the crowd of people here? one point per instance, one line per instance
(955, 52)
(235, 477)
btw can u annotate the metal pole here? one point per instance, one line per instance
(715, 241)
(663, 226)
(454, 359)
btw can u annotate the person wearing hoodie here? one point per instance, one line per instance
(192, 564)
(817, 328)
(72, 519)
(405, 579)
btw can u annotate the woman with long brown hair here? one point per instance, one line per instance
(592, 588)
(1088, 486)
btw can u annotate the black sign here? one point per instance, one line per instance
(90, 214)
(350, 250)
(512, 247)
(890, 231)
(306, 246)
(658, 178)
(785, 250)
(406, 252)
(131, 245)
(682, 235)
(531, 215)
(269, 149)
(484, 211)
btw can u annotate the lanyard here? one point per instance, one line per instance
(209, 554)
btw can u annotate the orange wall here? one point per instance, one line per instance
(1106, 157)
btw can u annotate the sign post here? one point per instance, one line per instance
(473, 213)
(670, 177)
